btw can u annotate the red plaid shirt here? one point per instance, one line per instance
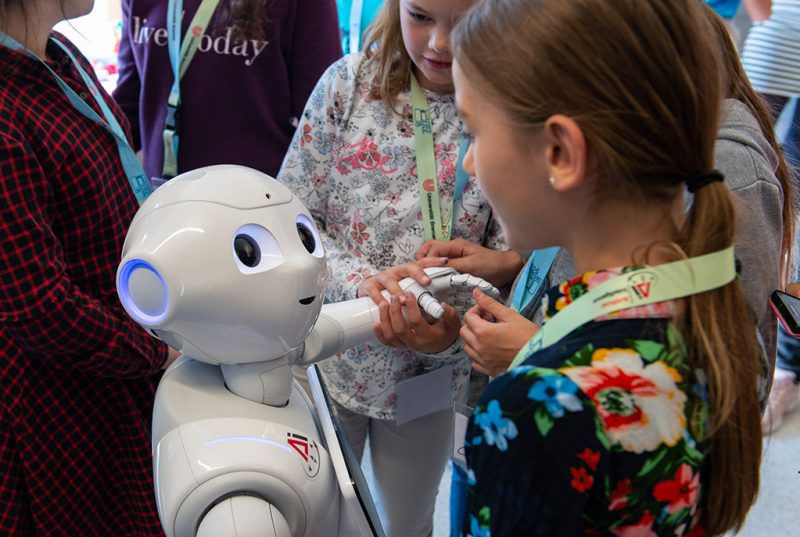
(78, 376)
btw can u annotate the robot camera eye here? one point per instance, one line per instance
(255, 249)
(309, 236)
(247, 250)
(306, 237)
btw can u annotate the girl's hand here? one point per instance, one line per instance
(494, 334)
(388, 279)
(412, 331)
(498, 267)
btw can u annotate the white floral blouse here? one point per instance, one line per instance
(352, 162)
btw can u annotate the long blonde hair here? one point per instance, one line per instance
(646, 90)
(383, 46)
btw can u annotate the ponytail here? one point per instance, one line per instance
(728, 356)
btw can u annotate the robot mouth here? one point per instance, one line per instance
(306, 301)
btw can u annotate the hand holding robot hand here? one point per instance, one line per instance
(417, 320)
(431, 285)
(448, 285)
(499, 267)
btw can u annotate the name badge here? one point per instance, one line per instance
(424, 394)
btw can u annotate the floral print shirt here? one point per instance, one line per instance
(598, 434)
(352, 162)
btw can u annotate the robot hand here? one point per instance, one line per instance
(447, 285)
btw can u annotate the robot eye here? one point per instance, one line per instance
(247, 250)
(309, 236)
(255, 249)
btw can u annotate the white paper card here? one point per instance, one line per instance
(424, 394)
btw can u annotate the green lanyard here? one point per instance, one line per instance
(180, 56)
(426, 168)
(633, 289)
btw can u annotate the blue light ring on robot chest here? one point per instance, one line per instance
(129, 302)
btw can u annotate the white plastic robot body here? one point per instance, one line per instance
(226, 265)
(210, 445)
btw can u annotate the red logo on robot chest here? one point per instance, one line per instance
(308, 450)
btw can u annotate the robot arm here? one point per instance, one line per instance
(342, 325)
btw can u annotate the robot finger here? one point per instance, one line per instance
(431, 306)
(424, 298)
(467, 282)
(486, 287)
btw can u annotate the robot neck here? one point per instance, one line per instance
(268, 383)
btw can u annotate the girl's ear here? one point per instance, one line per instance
(565, 153)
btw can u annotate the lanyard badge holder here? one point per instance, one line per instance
(530, 286)
(181, 54)
(130, 162)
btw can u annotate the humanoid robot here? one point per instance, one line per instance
(226, 265)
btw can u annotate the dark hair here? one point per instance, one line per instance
(646, 90)
(246, 17)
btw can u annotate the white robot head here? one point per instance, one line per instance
(225, 264)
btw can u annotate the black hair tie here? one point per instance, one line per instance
(696, 181)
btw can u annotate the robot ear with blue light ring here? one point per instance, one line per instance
(143, 292)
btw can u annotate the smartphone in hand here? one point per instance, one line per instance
(787, 308)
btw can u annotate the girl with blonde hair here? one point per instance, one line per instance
(375, 159)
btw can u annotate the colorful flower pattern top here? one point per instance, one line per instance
(352, 162)
(598, 434)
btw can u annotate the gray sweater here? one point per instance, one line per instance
(748, 162)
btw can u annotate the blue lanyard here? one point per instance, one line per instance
(531, 282)
(462, 177)
(133, 168)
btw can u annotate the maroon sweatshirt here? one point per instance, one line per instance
(238, 97)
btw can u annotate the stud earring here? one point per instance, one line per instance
(552, 181)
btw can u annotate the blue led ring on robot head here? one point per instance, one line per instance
(143, 292)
